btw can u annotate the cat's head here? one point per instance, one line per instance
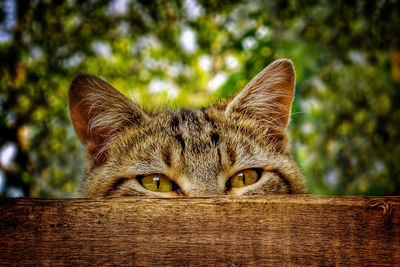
(238, 147)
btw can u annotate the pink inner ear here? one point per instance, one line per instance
(93, 139)
(81, 104)
(79, 123)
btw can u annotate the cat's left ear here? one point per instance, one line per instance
(99, 112)
(268, 97)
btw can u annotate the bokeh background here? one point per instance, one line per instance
(345, 125)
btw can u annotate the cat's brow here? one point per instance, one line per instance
(190, 118)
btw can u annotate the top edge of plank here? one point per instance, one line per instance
(289, 199)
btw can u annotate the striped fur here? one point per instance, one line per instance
(198, 149)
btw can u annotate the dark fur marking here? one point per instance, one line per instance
(191, 118)
(219, 157)
(181, 141)
(117, 184)
(231, 155)
(175, 123)
(186, 114)
(215, 139)
(134, 193)
(166, 156)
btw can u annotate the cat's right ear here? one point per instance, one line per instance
(268, 97)
(98, 112)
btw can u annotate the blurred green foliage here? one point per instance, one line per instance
(346, 116)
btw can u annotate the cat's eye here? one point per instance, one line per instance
(244, 178)
(157, 183)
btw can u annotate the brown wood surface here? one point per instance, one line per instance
(269, 230)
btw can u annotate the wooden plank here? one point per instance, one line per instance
(268, 230)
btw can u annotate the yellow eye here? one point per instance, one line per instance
(157, 183)
(244, 178)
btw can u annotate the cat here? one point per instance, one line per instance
(236, 147)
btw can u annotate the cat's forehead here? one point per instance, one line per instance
(192, 122)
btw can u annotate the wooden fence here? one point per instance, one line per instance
(267, 230)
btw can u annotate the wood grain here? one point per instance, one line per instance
(268, 230)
